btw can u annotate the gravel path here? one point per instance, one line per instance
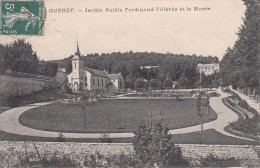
(9, 122)
(225, 116)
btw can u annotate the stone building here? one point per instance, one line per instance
(208, 69)
(92, 79)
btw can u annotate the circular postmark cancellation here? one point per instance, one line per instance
(25, 17)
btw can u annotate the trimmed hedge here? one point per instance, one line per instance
(244, 124)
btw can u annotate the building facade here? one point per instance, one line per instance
(117, 82)
(208, 69)
(82, 78)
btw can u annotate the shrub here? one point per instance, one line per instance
(214, 94)
(247, 125)
(154, 147)
(105, 138)
(178, 98)
(94, 160)
(243, 104)
(214, 161)
(123, 160)
(47, 161)
(54, 161)
(61, 137)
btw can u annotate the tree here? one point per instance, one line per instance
(183, 81)
(129, 84)
(200, 114)
(140, 84)
(143, 145)
(20, 57)
(167, 84)
(109, 88)
(2, 61)
(134, 71)
(243, 59)
(207, 102)
(84, 100)
(47, 68)
(155, 147)
(154, 84)
(253, 83)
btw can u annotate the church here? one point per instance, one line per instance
(82, 78)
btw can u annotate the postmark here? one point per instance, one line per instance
(25, 17)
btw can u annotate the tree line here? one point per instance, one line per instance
(20, 57)
(240, 66)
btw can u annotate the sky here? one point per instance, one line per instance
(207, 32)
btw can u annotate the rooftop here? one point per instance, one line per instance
(97, 72)
(113, 76)
(207, 65)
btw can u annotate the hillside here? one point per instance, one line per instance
(111, 61)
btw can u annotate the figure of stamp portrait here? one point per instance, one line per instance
(21, 17)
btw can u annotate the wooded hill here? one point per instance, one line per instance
(170, 66)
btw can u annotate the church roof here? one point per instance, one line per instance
(59, 69)
(97, 72)
(75, 57)
(113, 76)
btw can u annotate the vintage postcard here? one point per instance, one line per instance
(129, 83)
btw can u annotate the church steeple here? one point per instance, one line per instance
(77, 52)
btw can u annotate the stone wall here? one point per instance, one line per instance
(243, 152)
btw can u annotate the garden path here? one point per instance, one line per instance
(225, 116)
(250, 101)
(9, 122)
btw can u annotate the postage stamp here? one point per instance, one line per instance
(21, 17)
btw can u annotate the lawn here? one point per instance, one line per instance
(210, 137)
(110, 115)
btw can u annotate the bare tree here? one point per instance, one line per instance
(200, 114)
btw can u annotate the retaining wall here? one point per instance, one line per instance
(74, 148)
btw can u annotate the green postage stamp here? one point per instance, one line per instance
(21, 17)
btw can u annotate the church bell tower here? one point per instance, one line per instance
(77, 70)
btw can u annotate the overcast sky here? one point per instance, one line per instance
(181, 32)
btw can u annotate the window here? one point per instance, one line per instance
(98, 81)
(86, 81)
(93, 81)
(102, 82)
(75, 65)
